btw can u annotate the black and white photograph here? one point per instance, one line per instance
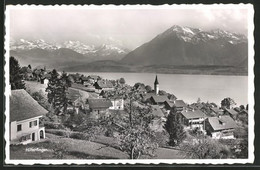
(129, 84)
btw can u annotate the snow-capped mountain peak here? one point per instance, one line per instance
(23, 44)
(82, 48)
(195, 35)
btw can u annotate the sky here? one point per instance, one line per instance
(127, 27)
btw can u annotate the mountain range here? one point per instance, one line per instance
(176, 50)
(41, 52)
(190, 46)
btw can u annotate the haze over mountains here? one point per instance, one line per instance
(40, 52)
(178, 48)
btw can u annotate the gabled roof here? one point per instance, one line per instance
(23, 106)
(95, 77)
(231, 111)
(243, 111)
(157, 111)
(189, 114)
(179, 103)
(169, 103)
(222, 123)
(216, 109)
(147, 95)
(104, 84)
(99, 103)
(160, 98)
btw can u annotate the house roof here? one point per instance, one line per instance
(147, 95)
(189, 114)
(95, 77)
(104, 84)
(99, 103)
(23, 106)
(160, 98)
(243, 111)
(84, 78)
(216, 110)
(222, 123)
(179, 103)
(157, 111)
(231, 111)
(73, 94)
(169, 103)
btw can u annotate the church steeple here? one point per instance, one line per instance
(156, 86)
(156, 81)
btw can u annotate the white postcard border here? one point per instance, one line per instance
(251, 87)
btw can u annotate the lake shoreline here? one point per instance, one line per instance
(211, 88)
(175, 73)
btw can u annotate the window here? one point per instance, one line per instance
(35, 123)
(19, 128)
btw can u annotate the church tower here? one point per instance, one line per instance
(156, 86)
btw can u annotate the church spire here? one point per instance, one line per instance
(156, 80)
(156, 86)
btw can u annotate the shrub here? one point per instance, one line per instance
(52, 125)
(77, 135)
(109, 133)
(57, 132)
(161, 138)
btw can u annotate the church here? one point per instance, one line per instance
(154, 97)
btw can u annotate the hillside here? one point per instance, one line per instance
(189, 46)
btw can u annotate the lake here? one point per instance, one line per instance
(211, 88)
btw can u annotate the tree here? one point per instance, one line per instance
(66, 80)
(242, 107)
(175, 129)
(227, 103)
(16, 78)
(199, 100)
(39, 97)
(205, 148)
(122, 81)
(148, 88)
(162, 92)
(57, 88)
(137, 141)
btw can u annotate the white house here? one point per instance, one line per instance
(24, 118)
(117, 104)
(221, 127)
(193, 119)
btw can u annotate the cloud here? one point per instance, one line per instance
(131, 27)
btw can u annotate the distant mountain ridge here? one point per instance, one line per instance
(41, 52)
(179, 49)
(190, 46)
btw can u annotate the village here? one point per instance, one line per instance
(110, 115)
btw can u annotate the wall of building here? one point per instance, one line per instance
(13, 130)
(117, 104)
(26, 129)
